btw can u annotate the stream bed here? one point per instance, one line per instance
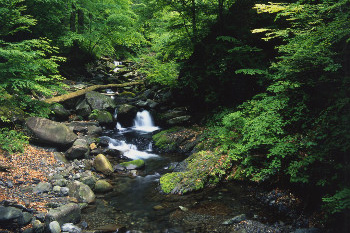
(136, 203)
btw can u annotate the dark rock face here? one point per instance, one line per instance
(11, 217)
(126, 114)
(83, 108)
(66, 213)
(103, 117)
(60, 112)
(99, 101)
(51, 132)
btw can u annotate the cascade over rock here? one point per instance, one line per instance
(51, 132)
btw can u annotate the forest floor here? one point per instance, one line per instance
(22, 171)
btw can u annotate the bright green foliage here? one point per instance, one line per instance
(338, 202)
(12, 141)
(28, 68)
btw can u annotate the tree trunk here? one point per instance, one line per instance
(71, 95)
(80, 21)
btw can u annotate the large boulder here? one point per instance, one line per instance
(51, 132)
(85, 127)
(66, 213)
(102, 164)
(83, 108)
(126, 114)
(13, 217)
(81, 192)
(103, 117)
(79, 150)
(99, 101)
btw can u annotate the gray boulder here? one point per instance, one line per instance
(126, 114)
(81, 192)
(99, 102)
(79, 150)
(83, 108)
(55, 227)
(66, 213)
(102, 164)
(181, 120)
(42, 187)
(10, 216)
(71, 228)
(51, 132)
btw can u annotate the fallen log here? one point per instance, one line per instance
(71, 95)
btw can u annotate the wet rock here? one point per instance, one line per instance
(42, 187)
(55, 227)
(102, 186)
(94, 130)
(38, 227)
(103, 117)
(71, 228)
(158, 207)
(27, 218)
(66, 213)
(236, 219)
(90, 181)
(181, 120)
(99, 102)
(60, 182)
(80, 149)
(64, 191)
(108, 228)
(10, 216)
(102, 164)
(51, 132)
(134, 164)
(81, 192)
(126, 114)
(104, 142)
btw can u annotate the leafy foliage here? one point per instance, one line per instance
(12, 140)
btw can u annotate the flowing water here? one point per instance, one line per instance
(136, 202)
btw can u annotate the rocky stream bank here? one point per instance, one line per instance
(72, 178)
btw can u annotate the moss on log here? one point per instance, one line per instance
(71, 95)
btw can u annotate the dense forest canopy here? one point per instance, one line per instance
(276, 75)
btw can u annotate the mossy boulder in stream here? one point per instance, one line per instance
(103, 186)
(103, 117)
(177, 139)
(135, 164)
(202, 170)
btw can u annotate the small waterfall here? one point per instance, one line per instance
(144, 122)
(117, 63)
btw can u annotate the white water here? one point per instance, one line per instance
(129, 150)
(117, 63)
(144, 122)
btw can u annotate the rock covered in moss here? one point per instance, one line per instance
(102, 164)
(134, 164)
(103, 117)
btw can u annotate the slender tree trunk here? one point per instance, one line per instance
(72, 19)
(80, 21)
(71, 95)
(194, 21)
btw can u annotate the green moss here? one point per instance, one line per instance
(138, 163)
(101, 116)
(169, 181)
(164, 140)
(127, 94)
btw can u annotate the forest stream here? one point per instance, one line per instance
(136, 203)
